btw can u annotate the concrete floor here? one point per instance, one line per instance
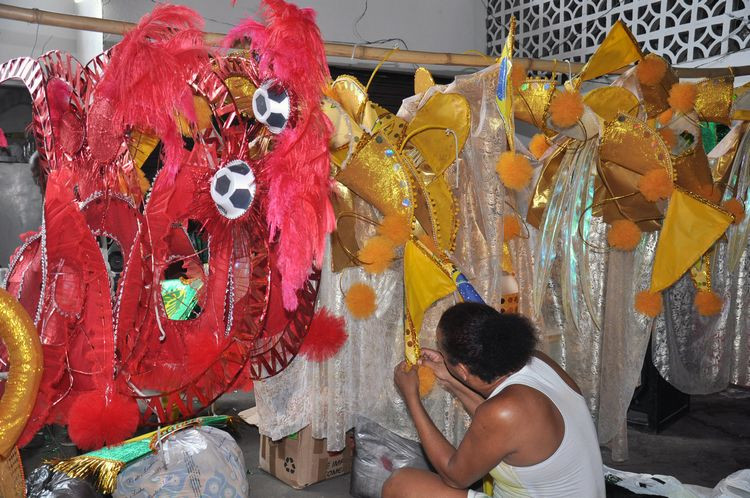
(703, 447)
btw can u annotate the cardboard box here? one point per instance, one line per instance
(301, 460)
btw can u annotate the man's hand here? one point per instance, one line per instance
(436, 362)
(407, 381)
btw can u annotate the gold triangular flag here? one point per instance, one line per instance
(425, 281)
(691, 227)
(618, 49)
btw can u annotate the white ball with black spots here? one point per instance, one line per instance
(233, 189)
(271, 107)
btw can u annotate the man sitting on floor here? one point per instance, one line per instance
(530, 429)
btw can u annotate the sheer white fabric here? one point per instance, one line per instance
(588, 293)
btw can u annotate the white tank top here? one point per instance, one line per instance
(575, 468)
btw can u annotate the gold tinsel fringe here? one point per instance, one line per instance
(82, 467)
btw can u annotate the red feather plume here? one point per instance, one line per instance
(97, 419)
(325, 336)
(147, 78)
(298, 208)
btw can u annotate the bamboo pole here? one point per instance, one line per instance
(354, 51)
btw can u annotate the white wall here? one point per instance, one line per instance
(17, 39)
(432, 25)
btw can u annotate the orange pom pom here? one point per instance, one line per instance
(656, 184)
(651, 69)
(649, 303)
(426, 380)
(735, 207)
(511, 227)
(360, 300)
(377, 254)
(624, 235)
(538, 145)
(396, 228)
(710, 193)
(566, 108)
(515, 170)
(668, 136)
(517, 75)
(665, 117)
(682, 97)
(708, 303)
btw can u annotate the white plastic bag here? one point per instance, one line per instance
(649, 484)
(377, 453)
(196, 462)
(735, 485)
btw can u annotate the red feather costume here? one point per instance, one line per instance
(108, 338)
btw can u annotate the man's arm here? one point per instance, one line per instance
(468, 398)
(483, 447)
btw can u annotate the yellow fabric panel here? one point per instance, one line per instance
(690, 229)
(425, 281)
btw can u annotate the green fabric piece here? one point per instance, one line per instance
(709, 136)
(130, 451)
(179, 299)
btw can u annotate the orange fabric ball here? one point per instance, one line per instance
(515, 170)
(665, 117)
(360, 300)
(517, 75)
(668, 136)
(377, 254)
(682, 97)
(708, 303)
(624, 235)
(426, 380)
(709, 192)
(511, 227)
(566, 108)
(656, 184)
(649, 303)
(651, 69)
(396, 228)
(538, 145)
(735, 207)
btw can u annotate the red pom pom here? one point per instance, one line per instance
(97, 419)
(325, 336)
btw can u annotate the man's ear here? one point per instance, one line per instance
(463, 371)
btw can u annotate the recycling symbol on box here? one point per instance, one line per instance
(289, 465)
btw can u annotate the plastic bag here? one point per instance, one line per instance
(648, 484)
(377, 453)
(202, 461)
(734, 485)
(43, 482)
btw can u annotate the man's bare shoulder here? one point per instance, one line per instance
(510, 406)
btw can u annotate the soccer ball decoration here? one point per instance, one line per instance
(233, 189)
(271, 106)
